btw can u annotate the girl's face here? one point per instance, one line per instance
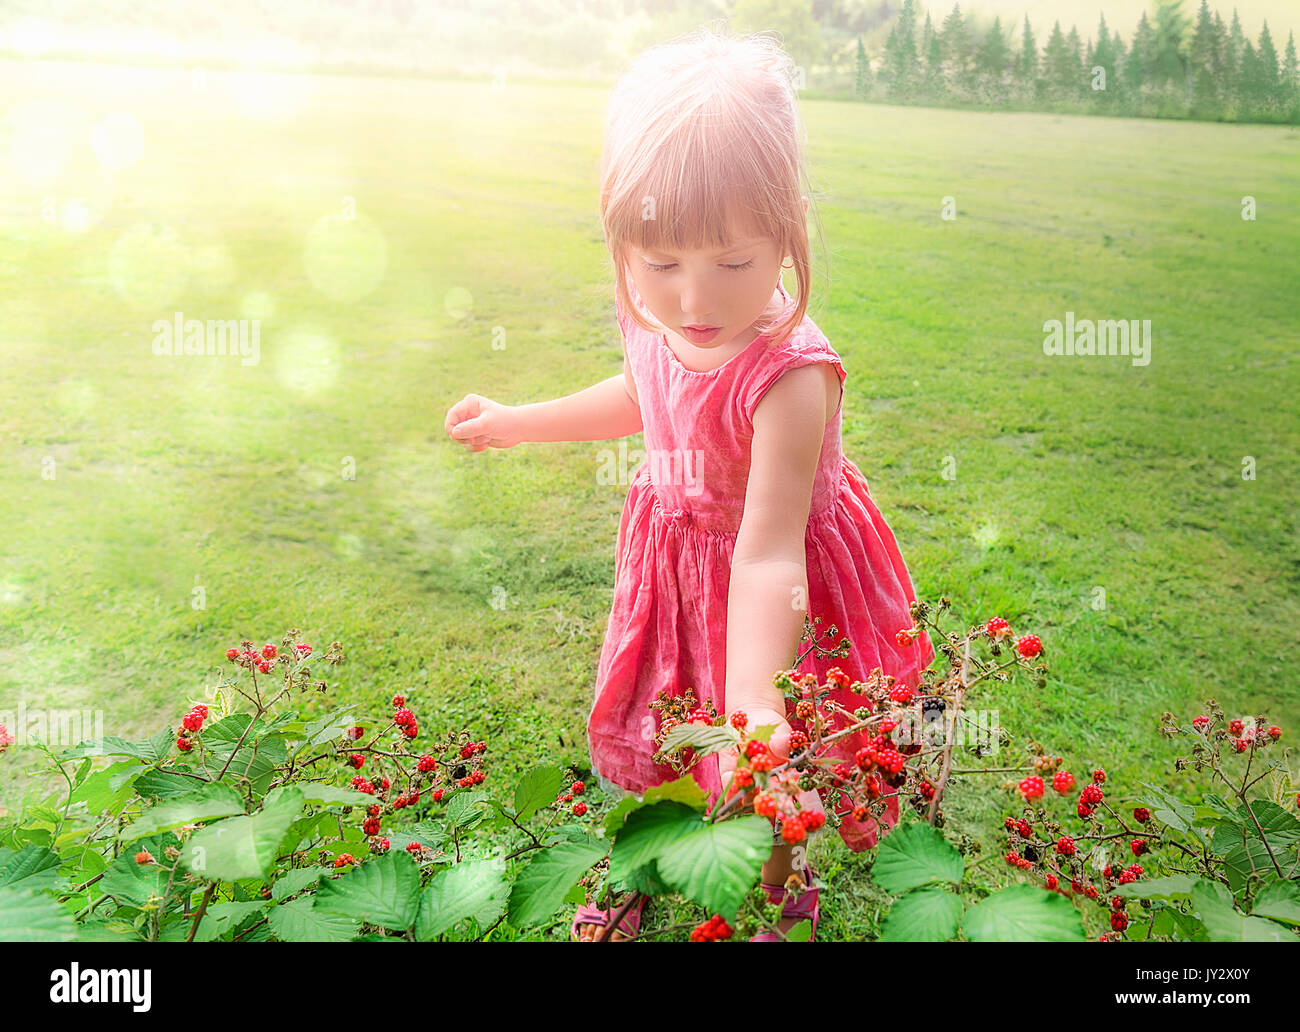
(709, 298)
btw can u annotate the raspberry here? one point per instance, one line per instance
(362, 785)
(356, 732)
(200, 709)
(414, 848)
(812, 819)
(1051, 882)
(1032, 787)
(860, 813)
(1084, 810)
(792, 831)
(743, 777)
(1118, 920)
(700, 716)
(344, 859)
(837, 678)
(373, 811)
(1117, 902)
(798, 743)
(1235, 727)
(380, 845)
(184, 744)
(1009, 823)
(1135, 870)
(1023, 829)
(902, 694)
(399, 701)
(887, 725)
(303, 649)
(1275, 732)
(192, 722)
(1029, 646)
(865, 758)
(1091, 795)
(1012, 857)
(356, 760)
(411, 730)
(739, 720)
(904, 637)
(763, 761)
(144, 857)
(426, 764)
(997, 628)
(232, 654)
(371, 826)
(384, 783)
(926, 790)
(804, 709)
(1141, 814)
(765, 804)
(1098, 776)
(437, 795)
(712, 930)
(263, 666)
(1063, 781)
(579, 808)
(1139, 846)
(1201, 722)
(1126, 876)
(1241, 745)
(403, 717)
(1065, 845)
(1076, 885)
(478, 777)
(755, 748)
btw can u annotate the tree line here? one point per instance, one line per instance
(1174, 67)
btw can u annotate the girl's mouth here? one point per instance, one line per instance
(701, 334)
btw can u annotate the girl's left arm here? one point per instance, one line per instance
(768, 592)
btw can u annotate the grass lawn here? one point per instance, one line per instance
(479, 585)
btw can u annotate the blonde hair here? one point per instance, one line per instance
(704, 145)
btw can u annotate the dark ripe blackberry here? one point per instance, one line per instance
(911, 749)
(1030, 853)
(895, 780)
(460, 771)
(932, 705)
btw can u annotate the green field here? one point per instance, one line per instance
(478, 585)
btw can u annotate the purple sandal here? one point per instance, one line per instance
(806, 906)
(587, 914)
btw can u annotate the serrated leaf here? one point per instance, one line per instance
(332, 795)
(221, 918)
(1253, 857)
(112, 745)
(206, 803)
(1172, 811)
(467, 809)
(1279, 900)
(294, 881)
(537, 789)
(1173, 886)
(104, 789)
(299, 921)
(32, 867)
(244, 847)
(683, 790)
(475, 889)
(328, 727)
(1223, 923)
(800, 931)
(135, 884)
(927, 914)
(703, 738)
(385, 891)
(162, 784)
(540, 888)
(28, 915)
(1023, 913)
(912, 855)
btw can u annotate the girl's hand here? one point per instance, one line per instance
(478, 423)
(778, 745)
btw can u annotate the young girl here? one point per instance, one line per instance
(746, 515)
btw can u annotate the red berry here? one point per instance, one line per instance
(997, 628)
(403, 717)
(902, 694)
(232, 654)
(904, 637)
(700, 716)
(1141, 814)
(578, 787)
(411, 730)
(399, 700)
(1065, 845)
(1063, 781)
(357, 760)
(192, 722)
(1091, 795)
(1275, 732)
(792, 831)
(1235, 727)
(1029, 646)
(1201, 722)
(1139, 846)
(184, 744)
(1051, 882)
(144, 857)
(1118, 920)
(739, 720)
(303, 649)
(579, 808)
(356, 732)
(1032, 787)
(268, 651)
(371, 826)
(765, 804)
(1098, 776)
(427, 763)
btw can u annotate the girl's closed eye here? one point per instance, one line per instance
(663, 268)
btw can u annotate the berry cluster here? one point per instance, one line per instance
(712, 930)
(191, 725)
(1216, 733)
(579, 809)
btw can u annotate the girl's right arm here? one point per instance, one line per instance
(601, 412)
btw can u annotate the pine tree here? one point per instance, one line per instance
(1027, 65)
(1205, 61)
(1141, 61)
(1232, 60)
(955, 37)
(862, 87)
(1170, 27)
(1074, 49)
(899, 71)
(1291, 79)
(1056, 64)
(1251, 95)
(993, 53)
(1269, 83)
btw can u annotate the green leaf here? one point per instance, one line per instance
(614, 819)
(467, 809)
(332, 795)
(28, 915)
(385, 891)
(329, 727)
(1279, 900)
(221, 918)
(537, 789)
(715, 864)
(299, 921)
(135, 884)
(215, 799)
(475, 889)
(683, 790)
(294, 881)
(162, 784)
(800, 931)
(928, 914)
(1281, 828)
(32, 867)
(1223, 923)
(703, 738)
(1173, 886)
(915, 854)
(1252, 857)
(1172, 811)
(108, 789)
(1023, 913)
(150, 751)
(244, 847)
(540, 888)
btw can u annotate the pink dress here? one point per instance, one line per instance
(667, 627)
